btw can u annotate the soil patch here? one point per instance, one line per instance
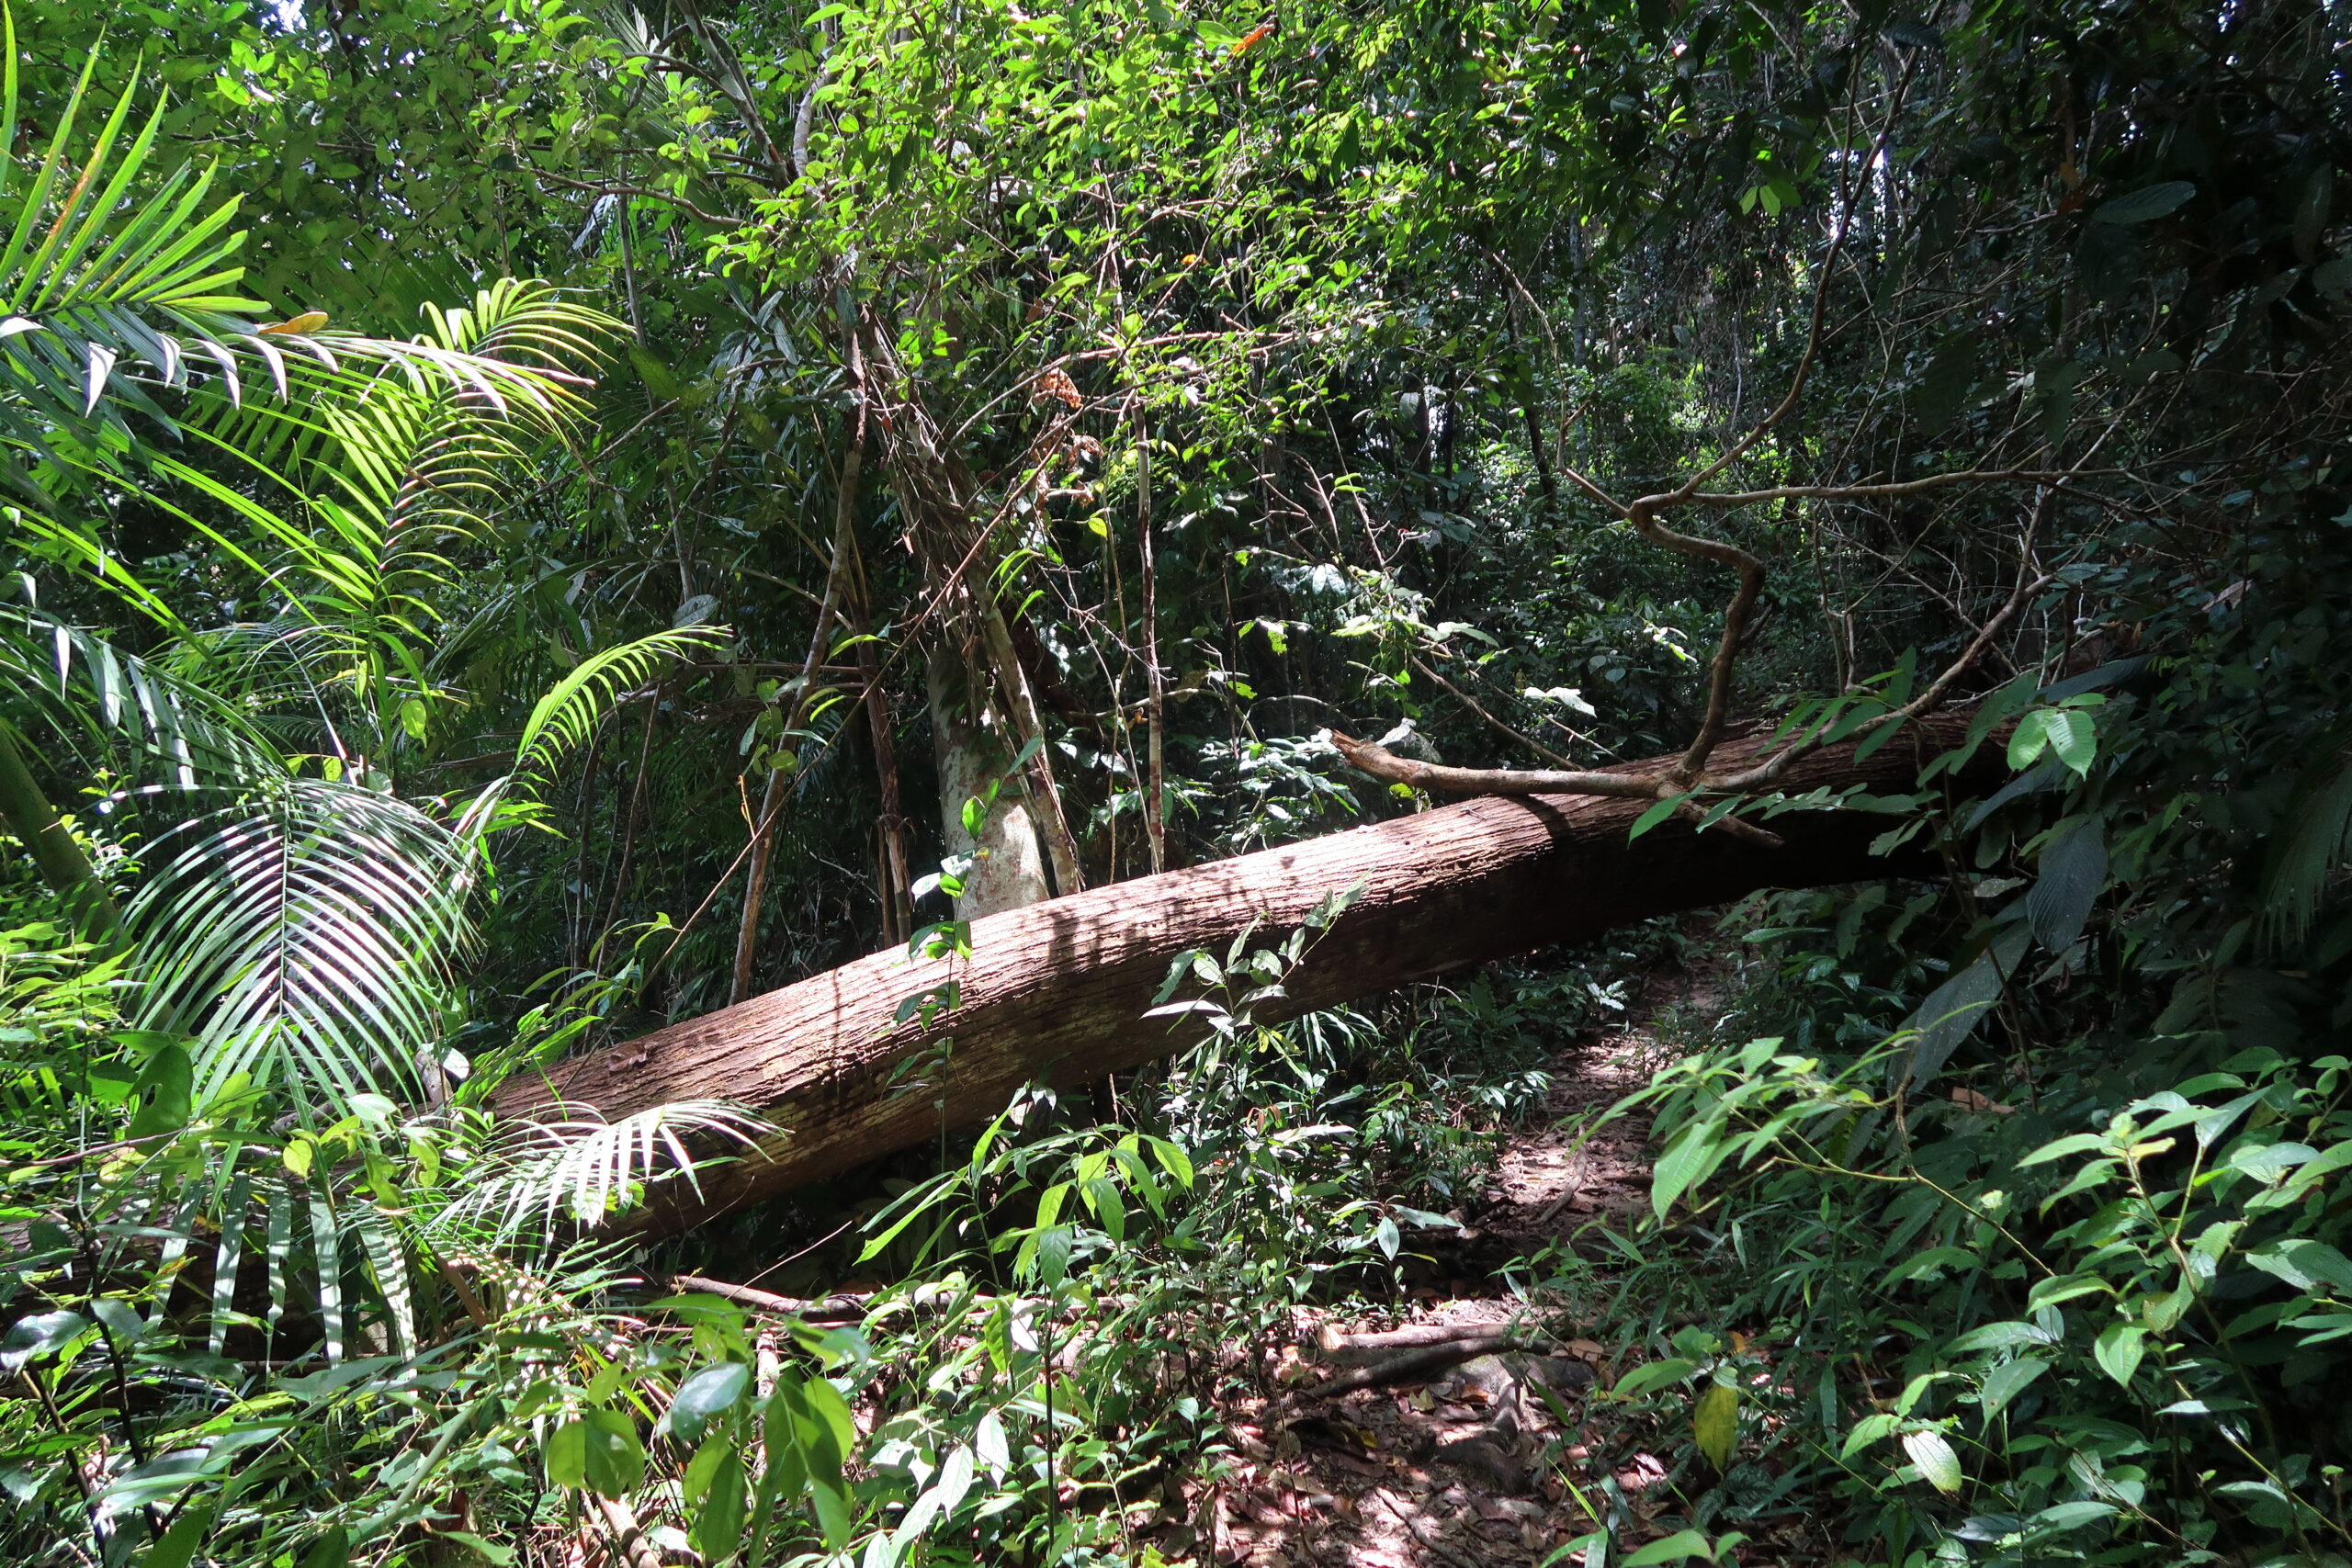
(1448, 1458)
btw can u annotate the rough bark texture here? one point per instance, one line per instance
(1057, 990)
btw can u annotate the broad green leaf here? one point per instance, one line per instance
(717, 1530)
(179, 1543)
(785, 1426)
(1679, 1547)
(1939, 1466)
(1173, 1160)
(2029, 739)
(1933, 1260)
(1653, 817)
(831, 1505)
(28, 1338)
(1714, 1423)
(2144, 205)
(567, 1454)
(2073, 1515)
(956, 1476)
(1653, 1374)
(825, 1404)
(614, 1458)
(2058, 1148)
(2306, 1265)
(990, 1443)
(2063, 1288)
(2074, 737)
(710, 1391)
(703, 1466)
(165, 1087)
(2006, 1381)
(1866, 1430)
(2119, 1350)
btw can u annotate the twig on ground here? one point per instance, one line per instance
(1562, 1201)
(1423, 1531)
(849, 1303)
(632, 1547)
(1332, 1342)
(1419, 1361)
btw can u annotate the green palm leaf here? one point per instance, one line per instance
(152, 722)
(309, 936)
(564, 718)
(538, 1173)
(118, 285)
(2307, 857)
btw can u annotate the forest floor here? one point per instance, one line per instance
(1457, 1464)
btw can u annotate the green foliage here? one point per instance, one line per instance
(2040, 1263)
(1259, 380)
(2043, 1297)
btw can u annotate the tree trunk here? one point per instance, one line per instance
(52, 845)
(1058, 990)
(1008, 869)
(1037, 774)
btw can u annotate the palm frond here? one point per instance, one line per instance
(540, 1173)
(148, 721)
(309, 934)
(519, 322)
(401, 438)
(2317, 843)
(566, 716)
(401, 470)
(119, 284)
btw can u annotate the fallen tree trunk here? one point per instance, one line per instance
(1057, 990)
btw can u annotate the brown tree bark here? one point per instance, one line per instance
(1057, 990)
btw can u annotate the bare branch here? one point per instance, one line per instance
(609, 187)
(1594, 490)
(1384, 764)
(1466, 700)
(1872, 490)
(1770, 771)
(1643, 515)
(849, 1303)
(1812, 354)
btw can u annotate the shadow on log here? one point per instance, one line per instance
(1057, 991)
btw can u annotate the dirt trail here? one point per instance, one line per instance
(1456, 1464)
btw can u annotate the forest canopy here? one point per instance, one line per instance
(803, 783)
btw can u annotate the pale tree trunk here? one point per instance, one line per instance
(983, 714)
(1058, 991)
(1037, 774)
(969, 734)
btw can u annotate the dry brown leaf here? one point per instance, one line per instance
(1053, 384)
